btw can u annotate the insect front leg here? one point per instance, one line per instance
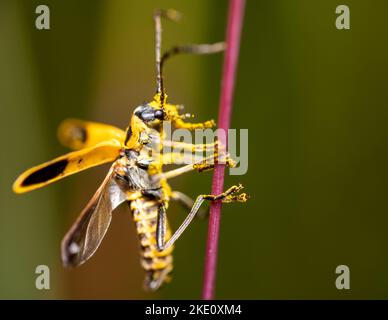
(172, 114)
(181, 124)
(230, 195)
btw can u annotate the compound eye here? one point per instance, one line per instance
(159, 114)
(145, 113)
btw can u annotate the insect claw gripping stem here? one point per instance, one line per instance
(229, 195)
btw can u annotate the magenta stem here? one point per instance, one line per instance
(233, 32)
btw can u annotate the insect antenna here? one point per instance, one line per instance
(172, 15)
(188, 48)
(193, 49)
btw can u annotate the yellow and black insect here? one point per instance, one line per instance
(136, 175)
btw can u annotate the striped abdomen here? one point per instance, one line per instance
(157, 264)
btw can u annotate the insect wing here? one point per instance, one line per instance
(66, 165)
(86, 234)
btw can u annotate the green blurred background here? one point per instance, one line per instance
(313, 98)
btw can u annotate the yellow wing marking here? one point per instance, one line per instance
(66, 165)
(79, 134)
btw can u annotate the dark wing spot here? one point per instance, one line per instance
(129, 134)
(79, 133)
(46, 173)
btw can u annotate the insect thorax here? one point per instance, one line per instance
(132, 174)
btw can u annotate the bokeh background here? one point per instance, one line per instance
(313, 98)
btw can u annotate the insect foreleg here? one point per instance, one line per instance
(227, 196)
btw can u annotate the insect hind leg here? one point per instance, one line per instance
(230, 195)
(187, 203)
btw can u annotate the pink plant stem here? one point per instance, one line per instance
(233, 32)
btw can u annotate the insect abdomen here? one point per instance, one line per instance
(157, 264)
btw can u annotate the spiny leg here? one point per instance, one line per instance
(227, 196)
